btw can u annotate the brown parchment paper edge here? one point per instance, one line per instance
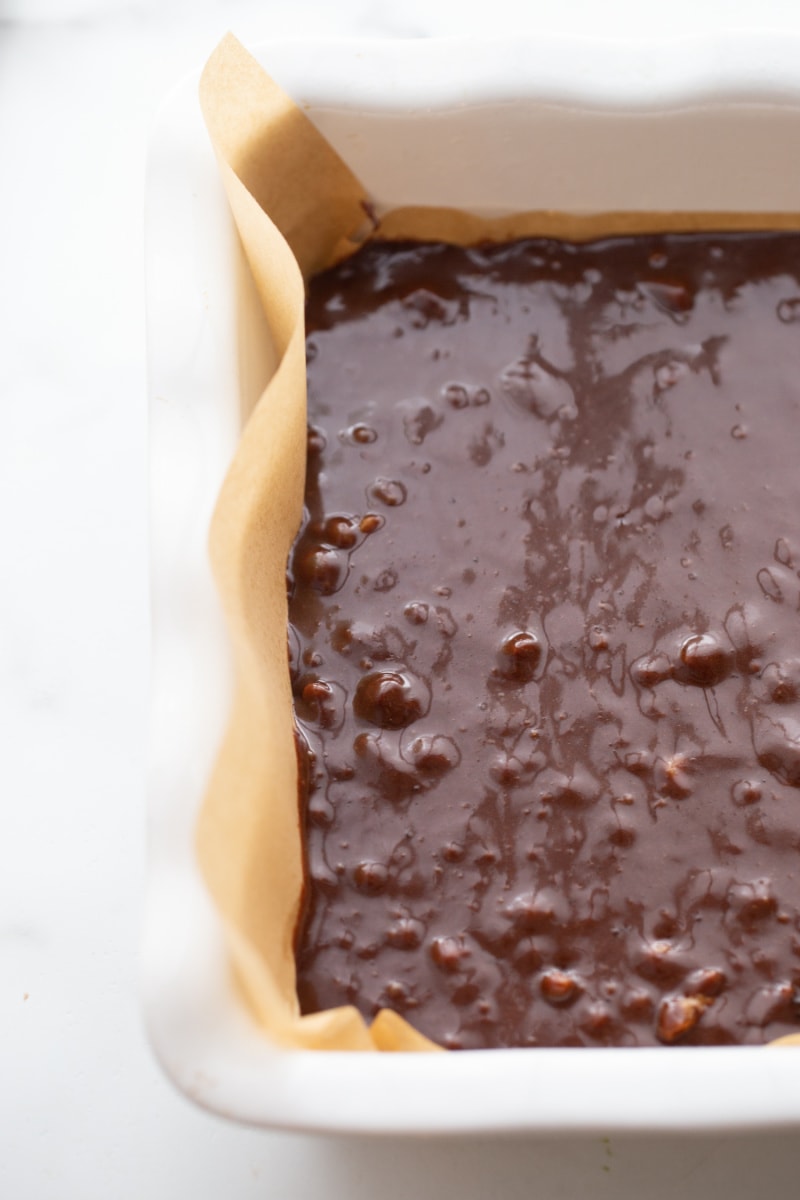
(298, 209)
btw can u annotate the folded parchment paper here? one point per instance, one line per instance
(298, 209)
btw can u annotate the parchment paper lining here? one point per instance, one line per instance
(298, 209)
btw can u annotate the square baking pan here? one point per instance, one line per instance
(569, 125)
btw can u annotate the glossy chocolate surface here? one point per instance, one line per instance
(545, 641)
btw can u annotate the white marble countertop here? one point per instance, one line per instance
(85, 1111)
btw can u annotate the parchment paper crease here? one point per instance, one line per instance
(298, 208)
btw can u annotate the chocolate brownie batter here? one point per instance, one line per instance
(545, 641)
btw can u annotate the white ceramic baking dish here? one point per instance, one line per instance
(564, 124)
